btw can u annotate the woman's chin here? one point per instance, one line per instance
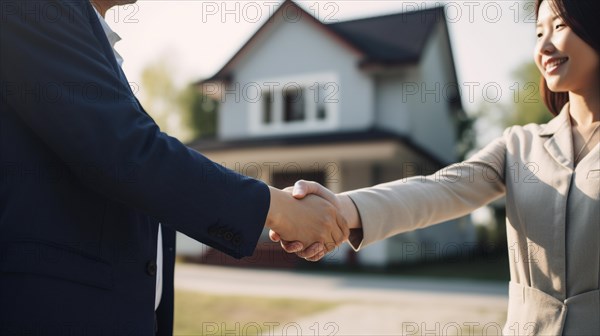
(556, 85)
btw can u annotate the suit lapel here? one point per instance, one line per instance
(108, 52)
(103, 40)
(560, 141)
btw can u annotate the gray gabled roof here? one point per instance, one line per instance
(391, 39)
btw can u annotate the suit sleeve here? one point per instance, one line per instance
(417, 202)
(58, 81)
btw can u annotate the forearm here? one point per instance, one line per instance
(405, 205)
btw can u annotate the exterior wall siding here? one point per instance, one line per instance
(433, 125)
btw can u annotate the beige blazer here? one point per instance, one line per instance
(553, 221)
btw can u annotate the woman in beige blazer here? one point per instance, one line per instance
(549, 173)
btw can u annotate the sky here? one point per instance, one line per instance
(489, 38)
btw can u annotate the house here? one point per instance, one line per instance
(348, 104)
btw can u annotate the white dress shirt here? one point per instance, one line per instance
(113, 38)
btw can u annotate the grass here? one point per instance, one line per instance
(207, 314)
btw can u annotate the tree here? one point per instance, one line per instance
(467, 135)
(528, 106)
(202, 113)
(181, 112)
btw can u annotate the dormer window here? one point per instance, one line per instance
(321, 99)
(296, 105)
(267, 108)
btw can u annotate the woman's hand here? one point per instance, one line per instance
(307, 221)
(341, 202)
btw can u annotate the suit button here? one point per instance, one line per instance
(228, 235)
(151, 268)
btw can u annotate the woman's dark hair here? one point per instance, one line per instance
(582, 17)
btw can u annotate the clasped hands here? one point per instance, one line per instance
(310, 220)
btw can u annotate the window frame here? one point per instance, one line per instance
(309, 84)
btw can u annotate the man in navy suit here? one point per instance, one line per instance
(86, 177)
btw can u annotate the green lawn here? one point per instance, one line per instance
(206, 314)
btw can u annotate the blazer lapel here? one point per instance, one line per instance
(593, 157)
(103, 40)
(560, 141)
(108, 51)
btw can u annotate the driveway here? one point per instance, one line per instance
(370, 304)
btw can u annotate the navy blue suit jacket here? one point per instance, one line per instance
(85, 178)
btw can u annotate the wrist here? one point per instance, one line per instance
(274, 214)
(350, 212)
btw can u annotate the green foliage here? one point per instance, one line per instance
(528, 106)
(525, 105)
(181, 112)
(467, 136)
(202, 116)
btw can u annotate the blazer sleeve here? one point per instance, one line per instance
(417, 202)
(56, 78)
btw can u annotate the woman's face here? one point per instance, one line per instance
(565, 60)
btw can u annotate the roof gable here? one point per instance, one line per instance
(369, 38)
(282, 11)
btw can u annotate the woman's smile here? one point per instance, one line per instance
(552, 64)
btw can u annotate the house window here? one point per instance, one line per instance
(267, 112)
(320, 100)
(294, 107)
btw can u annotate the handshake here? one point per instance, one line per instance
(310, 220)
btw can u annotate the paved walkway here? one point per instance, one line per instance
(371, 305)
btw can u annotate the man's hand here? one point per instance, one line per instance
(344, 205)
(310, 221)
